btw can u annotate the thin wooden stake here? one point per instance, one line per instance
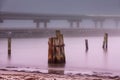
(86, 44)
(9, 45)
(105, 41)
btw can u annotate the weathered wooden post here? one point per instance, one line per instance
(86, 44)
(56, 52)
(9, 43)
(57, 33)
(105, 41)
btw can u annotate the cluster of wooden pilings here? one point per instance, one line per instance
(56, 53)
(105, 43)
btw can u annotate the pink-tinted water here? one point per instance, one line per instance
(33, 52)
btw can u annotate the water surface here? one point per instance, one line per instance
(33, 52)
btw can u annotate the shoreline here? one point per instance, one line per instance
(21, 75)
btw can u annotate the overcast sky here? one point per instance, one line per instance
(62, 6)
(79, 7)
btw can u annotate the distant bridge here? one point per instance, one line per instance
(45, 18)
(20, 33)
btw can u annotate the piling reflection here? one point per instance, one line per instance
(86, 58)
(105, 51)
(86, 51)
(56, 68)
(105, 58)
(9, 57)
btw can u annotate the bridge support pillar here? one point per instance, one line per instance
(1, 20)
(37, 24)
(38, 21)
(116, 23)
(45, 23)
(78, 23)
(95, 23)
(99, 22)
(71, 23)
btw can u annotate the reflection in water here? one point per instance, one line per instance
(9, 56)
(86, 51)
(56, 68)
(105, 52)
(86, 58)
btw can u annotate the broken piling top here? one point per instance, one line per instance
(58, 33)
(105, 36)
(105, 41)
(60, 37)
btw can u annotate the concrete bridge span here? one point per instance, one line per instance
(46, 18)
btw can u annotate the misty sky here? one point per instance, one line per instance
(79, 7)
(62, 6)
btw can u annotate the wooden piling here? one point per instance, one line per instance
(9, 45)
(86, 44)
(105, 41)
(56, 52)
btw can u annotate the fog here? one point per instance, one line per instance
(62, 6)
(68, 7)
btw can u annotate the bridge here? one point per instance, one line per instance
(72, 19)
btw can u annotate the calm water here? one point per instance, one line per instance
(33, 52)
